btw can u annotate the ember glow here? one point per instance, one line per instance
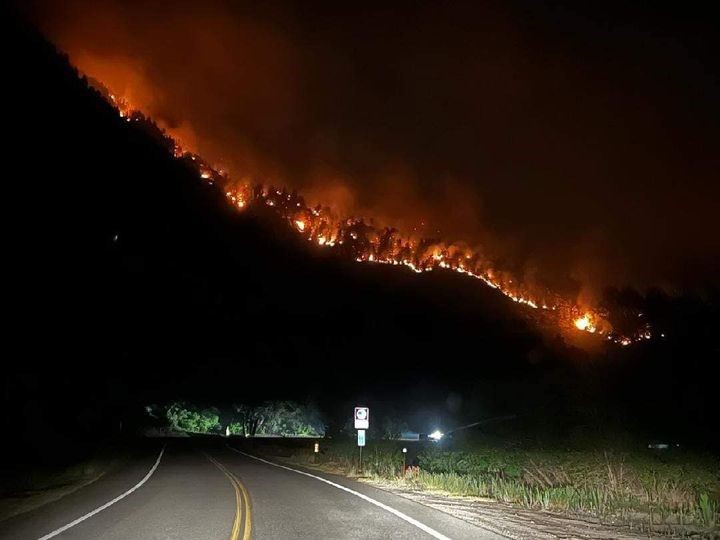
(360, 239)
(585, 323)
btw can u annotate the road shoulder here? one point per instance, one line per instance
(66, 481)
(499, 518)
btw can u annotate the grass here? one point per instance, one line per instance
(676, 493)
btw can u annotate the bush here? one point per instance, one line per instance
(184, 417)
(473, 463)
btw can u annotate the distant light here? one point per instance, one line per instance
(658, 446)
(404, 450)
(436, 435)
(317, 447)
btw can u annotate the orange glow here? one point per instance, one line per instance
(585, 323)
(363, 241)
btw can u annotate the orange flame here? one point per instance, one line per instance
(369, 243)
(585, 323)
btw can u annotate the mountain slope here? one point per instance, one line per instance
(133, 281)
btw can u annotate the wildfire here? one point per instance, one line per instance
(365, 242)
(585, 323)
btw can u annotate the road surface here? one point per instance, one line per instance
(207, 490)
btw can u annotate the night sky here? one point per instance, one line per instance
(577, 145)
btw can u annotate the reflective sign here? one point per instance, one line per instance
(361, 437)
(362, 418)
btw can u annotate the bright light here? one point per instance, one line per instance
(585, 323)
(436, 435)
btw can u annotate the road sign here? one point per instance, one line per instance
(361, 437)
(362, 418)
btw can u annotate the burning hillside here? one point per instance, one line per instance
(363, 240)
(461, 138)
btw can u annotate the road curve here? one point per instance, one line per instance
(208, 490)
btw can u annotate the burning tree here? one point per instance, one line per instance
(362, 240)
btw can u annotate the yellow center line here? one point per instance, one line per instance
(248, 511)
(242, 497)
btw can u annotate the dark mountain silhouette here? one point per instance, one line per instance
(133, 282)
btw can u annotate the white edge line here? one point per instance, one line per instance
(432, 532)
(109, 503)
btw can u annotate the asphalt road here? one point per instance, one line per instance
(207, 490)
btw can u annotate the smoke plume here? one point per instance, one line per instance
(577, 154)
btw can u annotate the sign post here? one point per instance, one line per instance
(362, 422)
(361, 443)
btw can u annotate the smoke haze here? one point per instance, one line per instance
(580, 149)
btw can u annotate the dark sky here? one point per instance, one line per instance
(579, 145)
(133, 282)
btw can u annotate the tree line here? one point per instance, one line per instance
(279, 418)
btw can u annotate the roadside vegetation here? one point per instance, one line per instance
(670, 492)
(266, 419)
(184, 417)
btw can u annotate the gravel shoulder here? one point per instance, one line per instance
(501, 518)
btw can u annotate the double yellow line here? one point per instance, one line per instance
(242, 500)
